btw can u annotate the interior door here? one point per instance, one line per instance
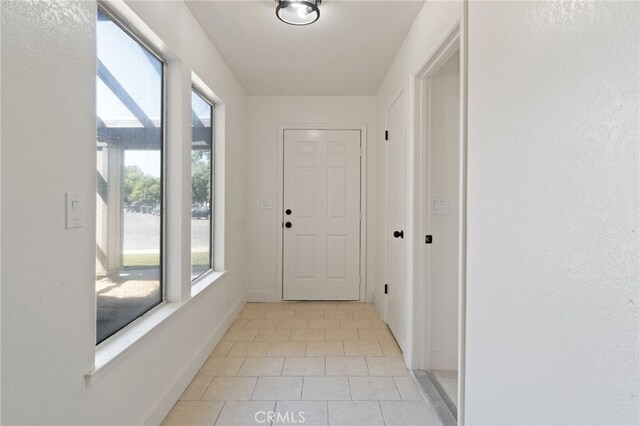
(321, 222)
(395, 147)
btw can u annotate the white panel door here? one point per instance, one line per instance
(396, 219)
(321, 222)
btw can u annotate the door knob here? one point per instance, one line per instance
(398, 234)
(288, 212)
(288, 225)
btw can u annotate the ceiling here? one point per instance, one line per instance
(346, 52)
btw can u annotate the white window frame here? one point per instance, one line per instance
(212, 217)
(218, 183)
(130, 30)
(178, 293)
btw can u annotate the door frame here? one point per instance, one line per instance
(420, 146)
(362, 128)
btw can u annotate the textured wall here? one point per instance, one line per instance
(48, 282)
(553, 210)
(48, 134)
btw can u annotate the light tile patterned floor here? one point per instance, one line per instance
(329, 363)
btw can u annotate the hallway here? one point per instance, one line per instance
(331, 363)
(320, 212)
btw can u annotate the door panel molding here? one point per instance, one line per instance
(363, 194)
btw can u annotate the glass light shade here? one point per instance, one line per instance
(298, 12)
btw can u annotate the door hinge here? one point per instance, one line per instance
(386, 289)
(386, 135)
(428, 239)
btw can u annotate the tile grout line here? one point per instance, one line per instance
(206, 389)
(239, 368)
(384, 421)
(301, 388)
(395, 383)
(327, 405)
(224, 403)
(254, 389)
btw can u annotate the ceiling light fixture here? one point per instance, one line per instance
(298, 12)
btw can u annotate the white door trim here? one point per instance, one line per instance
(363, 197)
(419, 148)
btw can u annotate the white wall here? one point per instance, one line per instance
(445, 183)
(429, 28)
(263, 225)
(553, 278)
(552, 308)
(48, 282)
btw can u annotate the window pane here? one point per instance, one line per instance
(129, 179)
(201, 185)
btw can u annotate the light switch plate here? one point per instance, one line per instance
(440, 206)
(265, 203)
(73, 211)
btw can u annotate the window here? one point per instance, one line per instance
(129, 198)
(201, 185)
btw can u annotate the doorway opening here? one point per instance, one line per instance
(440, 215)
(443, 215)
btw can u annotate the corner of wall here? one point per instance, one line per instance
(159, 411)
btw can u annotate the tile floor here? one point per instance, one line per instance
(449, 381)
(324, 363)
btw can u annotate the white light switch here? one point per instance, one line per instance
(440, 206)
(73, 210)
(265, 203)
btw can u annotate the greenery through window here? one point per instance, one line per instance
(201, 185)
(129, 178)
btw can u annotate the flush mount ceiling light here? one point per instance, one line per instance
(298, 12)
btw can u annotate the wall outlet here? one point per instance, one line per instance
(440, 206)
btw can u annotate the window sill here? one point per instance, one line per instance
(112, 350)
(204, 281)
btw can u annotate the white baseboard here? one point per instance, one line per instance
(269, 296)
(261, 296)
(160, 410)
